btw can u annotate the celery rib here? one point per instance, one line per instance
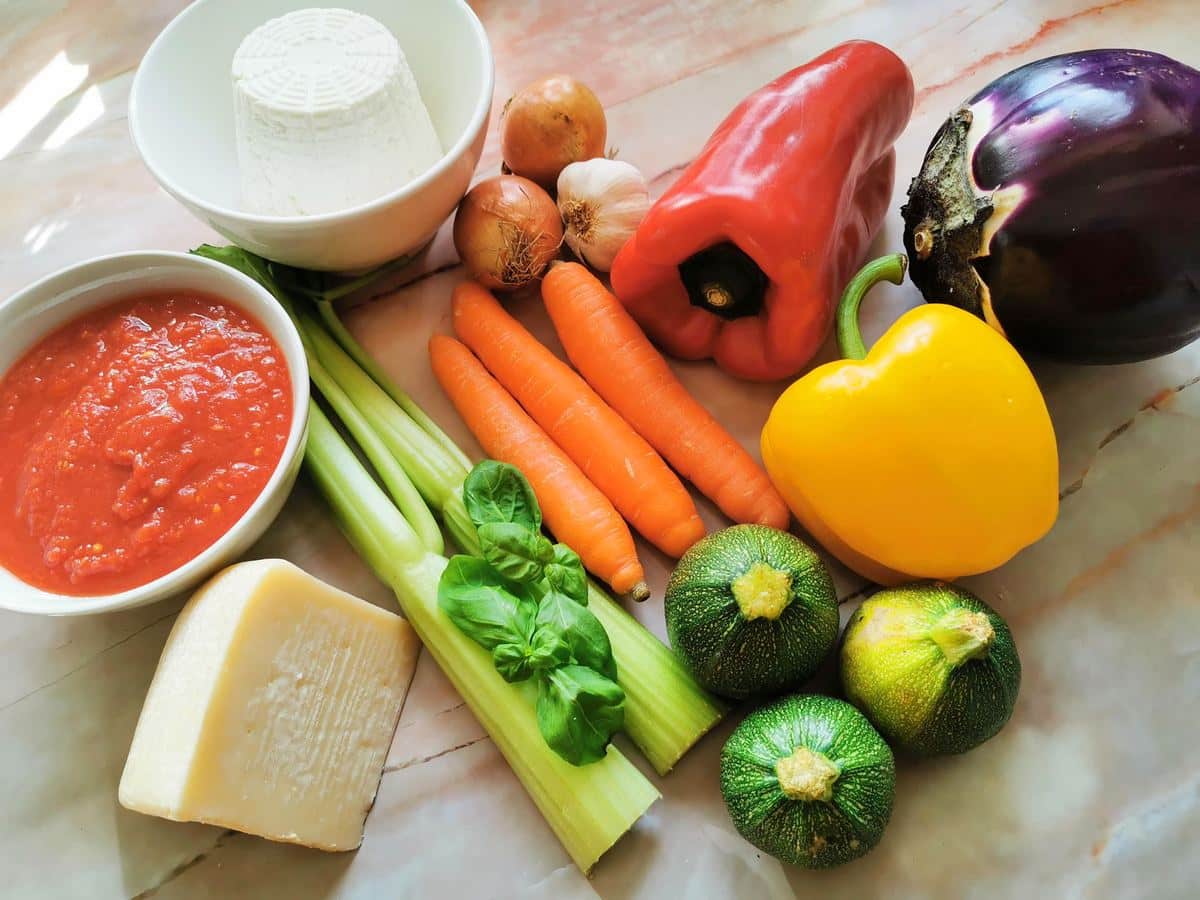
(427, 465)
(376, 529)
(390, 472)
(666, 712)
(587, 807)
(368, 364)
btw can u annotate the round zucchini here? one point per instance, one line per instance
(932, 666)
(809, 781)
(751, 610)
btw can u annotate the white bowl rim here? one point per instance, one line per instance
(165, 585)
(483, 107)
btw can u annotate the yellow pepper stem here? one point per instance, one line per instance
(886, 268)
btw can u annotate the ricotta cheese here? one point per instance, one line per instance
(272, 709)
(327, 114)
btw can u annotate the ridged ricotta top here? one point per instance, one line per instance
(327, 114)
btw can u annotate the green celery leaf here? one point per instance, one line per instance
(578, 711)
(497, 492)
(244, 261)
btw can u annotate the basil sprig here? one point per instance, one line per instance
(565, 574)
(582, 632)
(491, 610)
(497, 492)
(514, 551)
(578, 711)
(525, 601)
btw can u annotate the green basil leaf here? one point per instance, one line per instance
(485, 607)
(565, 574)
(497, 492)
(514, 662)
(580, 629)
(514, 551)
(548, 650)
(578, 711)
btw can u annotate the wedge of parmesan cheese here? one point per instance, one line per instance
(327, 114)
(272, 709)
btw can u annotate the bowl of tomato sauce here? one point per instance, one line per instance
(153, 411)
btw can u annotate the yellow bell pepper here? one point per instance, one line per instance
(932, 456)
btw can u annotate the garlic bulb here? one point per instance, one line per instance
(602, 202)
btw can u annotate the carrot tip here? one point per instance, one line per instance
(639, 593)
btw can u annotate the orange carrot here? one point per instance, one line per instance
(612, 455)
(610, 350)
(574, 510)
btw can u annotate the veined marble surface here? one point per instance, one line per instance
(1092, 791)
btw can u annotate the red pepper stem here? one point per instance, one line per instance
(725, 281)
(849, 336)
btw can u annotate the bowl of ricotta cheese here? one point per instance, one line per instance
(324, 138)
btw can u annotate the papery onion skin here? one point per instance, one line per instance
(549, 124)
(506, 231)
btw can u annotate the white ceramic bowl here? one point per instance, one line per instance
(181, 119)
(43, 306)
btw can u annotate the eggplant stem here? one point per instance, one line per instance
(923, 240)
(849, 335)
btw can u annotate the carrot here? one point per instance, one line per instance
(574, 510)
(612, 455)
(610, 350)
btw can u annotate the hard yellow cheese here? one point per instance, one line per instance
(272, 709)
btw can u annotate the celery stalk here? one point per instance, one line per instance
(390, 472)
(587, 807)
(431, 469)
(368, 364)
(666, 712)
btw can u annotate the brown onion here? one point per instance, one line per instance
(550, 124)
(506, 231)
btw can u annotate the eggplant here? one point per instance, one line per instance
(1062, 204)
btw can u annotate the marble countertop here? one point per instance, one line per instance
(1092, 790)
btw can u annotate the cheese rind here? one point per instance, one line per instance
(272, 709)
(327, 114)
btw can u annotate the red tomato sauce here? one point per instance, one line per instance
(133, 437)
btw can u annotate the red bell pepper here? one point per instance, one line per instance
(743, 258)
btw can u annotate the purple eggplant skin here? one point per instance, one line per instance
(1062, 204)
